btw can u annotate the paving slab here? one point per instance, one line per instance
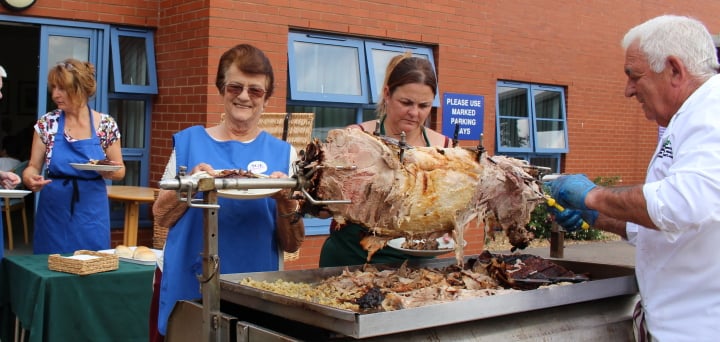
(604, 252)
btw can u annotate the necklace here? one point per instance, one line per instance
(382, 131)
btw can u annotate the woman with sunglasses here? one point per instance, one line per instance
(407, 97)
(251, 232)
(73, 210)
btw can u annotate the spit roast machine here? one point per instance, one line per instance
(599, 309)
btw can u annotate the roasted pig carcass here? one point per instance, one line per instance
(419, 192)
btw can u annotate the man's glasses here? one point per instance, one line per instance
(237, 89)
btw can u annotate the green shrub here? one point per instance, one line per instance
(541, 224)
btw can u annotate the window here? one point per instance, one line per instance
(131, 87)
(133, 61)
(132, 84)
(381, 54)
(325, 68)
(339, 79)
(531, 122)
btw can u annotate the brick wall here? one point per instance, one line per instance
(126, 12)
(476, 43)
(572, 44)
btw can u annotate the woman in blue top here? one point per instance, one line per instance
(251, 232)
(407, 96)
(73, 211)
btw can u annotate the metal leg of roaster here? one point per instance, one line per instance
(210, 281)
(557, 241)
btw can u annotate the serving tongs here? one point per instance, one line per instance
(553, 280)
(531, 283)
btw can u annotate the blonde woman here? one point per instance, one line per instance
(73, 211)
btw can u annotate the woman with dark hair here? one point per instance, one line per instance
(407, 96)
(73, 210)
(252, 231)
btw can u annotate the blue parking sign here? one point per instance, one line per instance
(464, 111)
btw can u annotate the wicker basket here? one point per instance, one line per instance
(103, 263)
(291, 256)
(298, 133)
(299, 127)
(159, 236)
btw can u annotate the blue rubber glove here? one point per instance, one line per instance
(570, 191)
(572, 219)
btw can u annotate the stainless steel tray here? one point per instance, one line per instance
(606, 281)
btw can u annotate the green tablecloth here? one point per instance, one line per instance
(57, 306)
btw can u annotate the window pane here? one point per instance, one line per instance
(369, 114)
(552, 162)
(327, 69)
(381, 59)
(550, 134)
(514, 114)
(133, 63)
(130, 116)
(513, 102)
(61, 48)
(327, 118)
(514, 132)
(132, 174)
(548, 104)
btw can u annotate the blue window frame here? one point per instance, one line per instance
(532, 123)
(133, 82)
(60, 42)
(133, 59)
(339, 79)
(131, 88)
(326, 68)
(379, 55)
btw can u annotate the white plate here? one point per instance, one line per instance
(443, 248)
(93, 167)
(158, 254)
(14, 193)
(246, 194)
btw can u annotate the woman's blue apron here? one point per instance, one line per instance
(246, 228)
(73, 211)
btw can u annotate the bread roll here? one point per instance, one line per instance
(123, 251)
(145, 255)
(142, 248)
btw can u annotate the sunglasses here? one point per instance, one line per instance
(66, 65)
(237, 89)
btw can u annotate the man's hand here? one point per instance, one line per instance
(571, 219)
(570, 191)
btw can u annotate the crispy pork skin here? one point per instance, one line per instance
(421, 192)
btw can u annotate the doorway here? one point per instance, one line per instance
(18, 107)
